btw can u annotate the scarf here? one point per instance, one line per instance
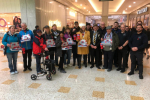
(106, 35)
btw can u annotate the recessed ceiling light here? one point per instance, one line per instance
(67, 8)
(87, 10)
(126, 8)
(130, 6)
(84, 7)
(80, 4)
(50, 2)
(134, 2)
(76, 0)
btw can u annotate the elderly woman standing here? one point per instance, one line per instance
(83, 35)
(8, 38)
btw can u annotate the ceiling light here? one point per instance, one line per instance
(76, 0)
(134, 2)
(91, 2)
(84, 7)
(67, 8)
(50, 2)
(80, 4)
(120, 4)
(130, 6)
(87, 10)
(126, 8)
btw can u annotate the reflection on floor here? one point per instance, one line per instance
(76, 84)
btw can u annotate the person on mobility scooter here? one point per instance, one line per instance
(38, 48)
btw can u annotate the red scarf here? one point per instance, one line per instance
(61, 38)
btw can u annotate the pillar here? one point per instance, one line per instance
(28, 13)
(105, 11)
(127, 22)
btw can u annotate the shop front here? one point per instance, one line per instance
(141, 14)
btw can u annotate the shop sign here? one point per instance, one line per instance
(58, 23)
(72, 13)
(4, 21)
(142, 10)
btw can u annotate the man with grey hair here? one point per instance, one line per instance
(26, 40)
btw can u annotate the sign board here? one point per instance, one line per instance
(82, 43)
(50, 43)
(15, 46)
(142, 10)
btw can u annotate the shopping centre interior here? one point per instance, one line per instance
(76, 84)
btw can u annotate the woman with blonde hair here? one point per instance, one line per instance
(83, 50)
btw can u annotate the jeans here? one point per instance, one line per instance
(10, 57)
(38, 63)
(28, 54)
(67, 56)
(62, 60)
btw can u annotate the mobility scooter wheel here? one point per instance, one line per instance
(53, 72)
(49, 77)
(33, 77)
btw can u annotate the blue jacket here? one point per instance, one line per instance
(7, 39)
(27, 45)
(116, 31)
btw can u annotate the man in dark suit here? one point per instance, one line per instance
(95, 46)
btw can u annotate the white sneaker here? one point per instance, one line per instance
(69, 65)
(65, 66)
(16, 72)
(40, 74)
(12, 73)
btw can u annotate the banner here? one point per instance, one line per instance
(70, 41)
(82, 43)
(15, 46)
(107, 42)
(25, 38)
(64, 46)
(50, 43)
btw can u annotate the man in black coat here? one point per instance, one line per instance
(35, 30)
(138, 43)
(74, 47)
(95, 46)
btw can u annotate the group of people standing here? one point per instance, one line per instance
(123, 42)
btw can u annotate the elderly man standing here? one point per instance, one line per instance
(26, 40)
(110, 49)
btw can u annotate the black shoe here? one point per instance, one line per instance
(73, 64)
(108, 70)
(104, 68)
(130, 73)
(89, 62)
(63, 71)
(127, 66)
(58, 69)
(122, 71)
(79, 67)
(25, 69)
(30, 69)
(91, 66)
(116, 66)
(57, 64)
(136, 69)
(85, 64)
(98, 67)
(118, 69)
(140, 76)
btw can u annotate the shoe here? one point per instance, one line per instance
(122, 71)
(57, 65)
(140, 76)
(147, 57)
(116, 65)
(85, 65)
(118, 69)
(136, 69)
(89, 62)
(79, 67)
(73, 64)
(91, 66)
(16, 72)
(127, 66)
(108, 70)
(58, 69)
(65, 66)
(40, 74)
(104, 68)
(130, 73)
(98, 67)
(30, 69)
(12, 73)
(25, 70)
(62, 71)
(69, 65)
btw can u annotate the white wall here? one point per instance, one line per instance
(9, 6)
(46, 12)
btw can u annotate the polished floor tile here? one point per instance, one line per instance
(76, 84)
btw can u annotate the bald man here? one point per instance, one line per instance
(122, 49)
(102, 29)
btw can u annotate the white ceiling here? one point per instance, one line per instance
(94, 7)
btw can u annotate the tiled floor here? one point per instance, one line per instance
(76, 84)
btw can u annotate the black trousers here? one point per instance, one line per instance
(100, 58)
(108, 59)
(122, 54)
(89, 55)
(95, 54)
(28, 54)
(62, 59)
(38, 63)
(138, 55)
(79, 59)
(116, 57)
